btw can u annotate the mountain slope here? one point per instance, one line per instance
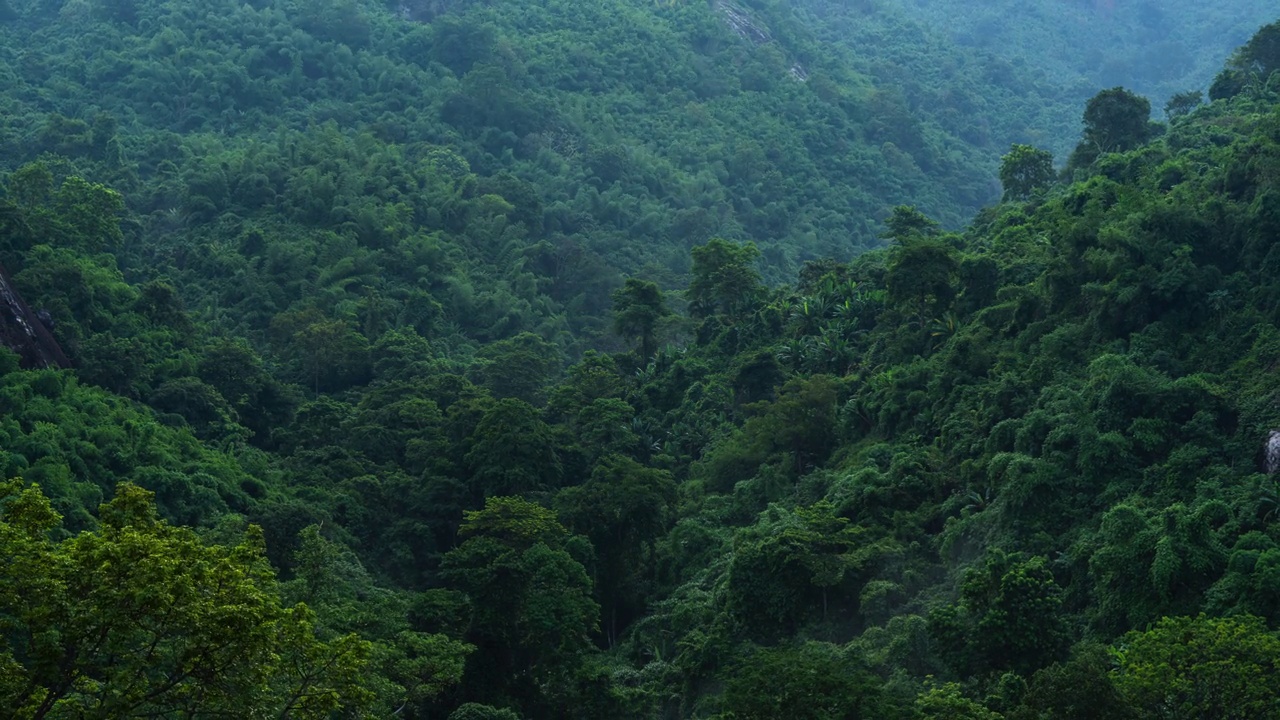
(990, 472)
(1156, 49)
(655, 125)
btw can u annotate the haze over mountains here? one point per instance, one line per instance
(675, 114)
(1154, 48)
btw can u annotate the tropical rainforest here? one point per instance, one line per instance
(459, 360)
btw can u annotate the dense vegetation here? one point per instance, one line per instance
(1156, 48)
(365, 422)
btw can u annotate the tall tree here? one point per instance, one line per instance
(788, 566)
(725, 281)
(518, 367)
(1025, 169)
(947, 702)
(623, 509)
(1081, 687)
(907, 222)
(1252, 64)
(1008, 618)
(809, 681)
(1183, 103)
(923, 273)
(512, 451)
(1115, 120)
(532, 607)
(638, 307)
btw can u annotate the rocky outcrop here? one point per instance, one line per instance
(743, 24)
(25, 333)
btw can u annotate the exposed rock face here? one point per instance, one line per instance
(743, 24)
(23, 332)
(1271, 453)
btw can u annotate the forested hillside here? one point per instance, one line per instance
(614, 129)
(1158, 49)
(483, 362)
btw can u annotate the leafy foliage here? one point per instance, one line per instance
(1219, 668)
(321, 269)
(1025, 169)
(142, 618)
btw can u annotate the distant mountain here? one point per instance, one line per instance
(640, 127)
(1154, 48)
(621, 131)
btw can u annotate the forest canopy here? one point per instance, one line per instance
(651, 360)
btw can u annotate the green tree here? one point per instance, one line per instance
(947, 702)
(1183, 103)
(1251, 583)
(906, 222)
(1227, 84)
(604, 427)
(459, 43)
(1008, 618)
(512, 451)
(1214, 669)
(796, 433)
(1148, 564)
(198, 403)
(810, 681)
(1254, 62)
(1115, 120)
(1025, 169)
(638, 307)
(476, 711)
(1261, 55)
(519, 367)
(801, 422)
(260, 401)
(333, 355)
(787, 567)
(532, 607)
(408, 668)
(594, 377)
(92, 212)
(623, 509)
(30, 186)
(1080, 687)
(143, 619)
(725, 281)
(922, 272)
